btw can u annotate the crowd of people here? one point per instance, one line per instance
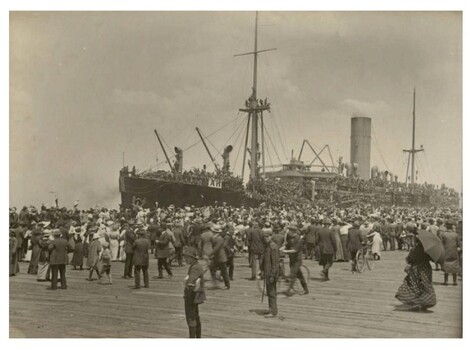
(200, 177)
(344, 190)
(208, 238)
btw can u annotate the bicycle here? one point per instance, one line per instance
(284, 278)
(365, 257)
(406, 242)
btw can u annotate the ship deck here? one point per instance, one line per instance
(351, 306)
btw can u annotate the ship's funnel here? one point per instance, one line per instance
(226, 157)
(179, 160)
(360, 145)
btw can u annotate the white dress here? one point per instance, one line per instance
(114, 244)
(376, 242)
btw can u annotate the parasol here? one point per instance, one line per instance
(432, 245)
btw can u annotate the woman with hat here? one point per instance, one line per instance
(36, 250)
(94, 256)
(114, 240)
(417, 290)
(78, 252)
(194, 293)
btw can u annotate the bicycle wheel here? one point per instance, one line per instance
(297, 286)
(370, 260)
(360, 263)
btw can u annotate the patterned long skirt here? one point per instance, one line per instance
(417, 289)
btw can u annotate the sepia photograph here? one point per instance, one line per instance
(235, 174)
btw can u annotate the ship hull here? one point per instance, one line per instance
(179, 194)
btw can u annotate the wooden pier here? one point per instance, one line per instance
(347, 306)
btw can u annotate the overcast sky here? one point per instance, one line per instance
(86, 87)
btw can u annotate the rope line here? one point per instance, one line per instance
(269, 137)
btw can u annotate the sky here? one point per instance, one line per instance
(87, 89)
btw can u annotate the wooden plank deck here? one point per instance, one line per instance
(351, 306)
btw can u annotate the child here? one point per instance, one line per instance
(106, 263)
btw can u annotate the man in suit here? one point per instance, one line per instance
(140, 258)
(58, 259)
(219, 255)
(393, 233)
(129, 238)
(310, 239)
(254, 238)
(451, 243)
(179, 241)
(294, 249)
(354, 244)
(20, 236)
(327, 246)
(386, 234)
(270, 268)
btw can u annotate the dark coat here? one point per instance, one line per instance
(326, 241)
(219, 254)
(230, 245)
(450, 240)
(310, 234)
(141, 252)
(270, 260)
(354, 240)
(195, 272)
(129, 238)
(19, 234)
(279, 239)
(163, 245)
(179, 237)
(152, 230)
(254, 238)
(59, 249)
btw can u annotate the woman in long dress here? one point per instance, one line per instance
(78, 252)
(35, 252)
(114, 241)
(376, 243)
(417, 290)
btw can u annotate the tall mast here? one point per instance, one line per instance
(413, 150)
(413, 141)
(254, 113)
(254, 107)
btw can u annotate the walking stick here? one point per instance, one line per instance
(264, 288)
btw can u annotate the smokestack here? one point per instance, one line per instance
(179, 160)
(360, 145)
(226, 157)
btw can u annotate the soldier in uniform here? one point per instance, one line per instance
(194, 293)
(270, 268)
